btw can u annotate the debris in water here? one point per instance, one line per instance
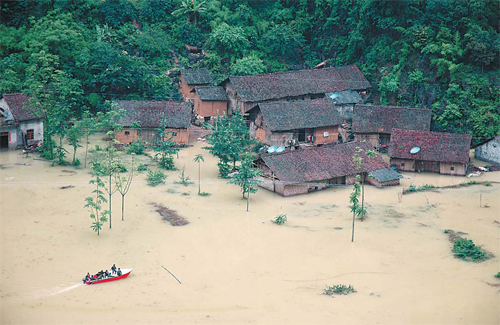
(65, 187)
(170, 215)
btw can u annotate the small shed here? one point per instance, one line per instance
(191, 78)
(149, 115)
(209, 102)
(21, 124)
(384, 177)
(438, 152)
(488, 150)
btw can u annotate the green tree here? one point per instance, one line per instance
(199, 158)
(164, 146)
(75, 133)
(191, 8)
(248, 65)
(95, 205)
(123, 184)
(245, 178)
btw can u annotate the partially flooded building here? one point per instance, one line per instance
(426, 151)
(149, 115)
(288, 123)
(209, 102)
(21, 124)
(307, 170)
(246, 92)
(489, 150)
(374, 123)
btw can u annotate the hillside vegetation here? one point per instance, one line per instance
(439, 54)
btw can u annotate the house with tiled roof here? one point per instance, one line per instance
(149, 116)
(373, 123)
(292, 123)
(488, 150)
(21, 124)
(303, 171)
(190, 78)
(426, 151)
(209, 102)
(245, 92)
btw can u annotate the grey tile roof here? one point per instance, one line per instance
(385, 175)
(196, 76)
(21, 108)
(321, 163)
(150, 113)
(382, 119)
(298, 83)
(211, 93)
(283, 116)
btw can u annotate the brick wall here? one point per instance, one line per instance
(332, 131)
(458, 168)
(149, 135)
(209, 107)
(409, 165)
(372, 138)
(186, 89)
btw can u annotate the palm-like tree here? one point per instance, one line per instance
(199, 158)
(191, 8)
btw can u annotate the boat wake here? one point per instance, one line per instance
(56, 290)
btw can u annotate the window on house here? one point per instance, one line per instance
(30, 134)
(326, 134)
(452, 168)
(174, 134)
(127, 132)
(402, 164)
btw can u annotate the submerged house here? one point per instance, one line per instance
(149, 115)
(245, 92)
(209, 102)
(289, 123)
(374, 123)
(489, 150)
(20, 123)
(191, 78)
(302, 171)
(444, 153)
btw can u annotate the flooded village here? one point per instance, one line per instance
(238, 266)
(249, 162)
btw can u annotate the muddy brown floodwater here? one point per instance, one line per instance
(237, 267)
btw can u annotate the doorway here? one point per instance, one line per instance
(4, 140)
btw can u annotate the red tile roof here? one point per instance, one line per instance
(321, 163)
(21, 108)
(150, 113)
(434, 146)
(298, 83)
(382, 119)
(283, 116)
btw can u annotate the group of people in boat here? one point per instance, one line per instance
(101, 275)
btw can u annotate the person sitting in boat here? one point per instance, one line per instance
(113, 269)
(107, 274)
(119, 272)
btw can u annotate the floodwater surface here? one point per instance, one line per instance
(237, 267)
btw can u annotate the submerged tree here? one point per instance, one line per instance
(74, 135)
(199, 158)
(123, 184)
(164, 146)
(245, 177)
(94, 205)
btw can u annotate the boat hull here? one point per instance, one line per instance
(125, 273)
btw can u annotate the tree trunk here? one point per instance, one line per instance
(362, 196)
(353, 218)
(123, 206)
(110, 194)
(74, 155)
(248, 198)
(86, 149)
(199, 178)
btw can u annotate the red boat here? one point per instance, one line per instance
(125, 273)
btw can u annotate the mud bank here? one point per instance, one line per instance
(237, 267)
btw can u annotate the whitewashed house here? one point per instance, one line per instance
(20, 123)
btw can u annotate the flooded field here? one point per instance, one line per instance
(237, 267)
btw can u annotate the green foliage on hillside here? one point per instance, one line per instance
(439, 54)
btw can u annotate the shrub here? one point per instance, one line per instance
(465, 249)
(338, 289)
(155, 178)
(142, 167)
(137, 146)
(497, 275)
(446, 231)
(184, 179)
(76, 162)
(487, 184)
(414, 188)
(203, 194)
(280, 219)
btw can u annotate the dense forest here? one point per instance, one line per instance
(73, 55)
